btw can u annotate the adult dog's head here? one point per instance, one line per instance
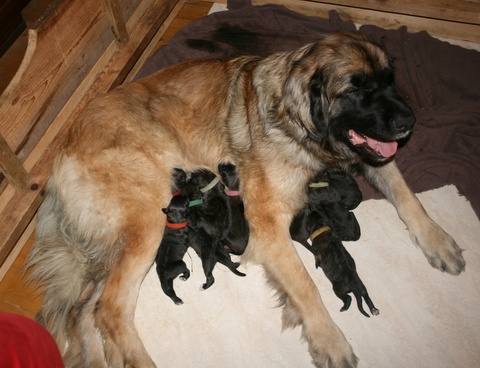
(346, 83)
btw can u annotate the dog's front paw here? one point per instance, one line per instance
(441, 250)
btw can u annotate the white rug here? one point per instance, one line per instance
(427, 319)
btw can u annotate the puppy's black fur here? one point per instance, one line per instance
(179, 178)
(340, 195)
(237, 237)
(209, 224)
(173, 247)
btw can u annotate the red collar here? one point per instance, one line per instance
(172, 225)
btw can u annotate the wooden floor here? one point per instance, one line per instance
(16, 296)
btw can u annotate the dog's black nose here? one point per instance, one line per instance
(404, 123)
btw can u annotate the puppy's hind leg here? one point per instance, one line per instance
(168, 276)
(224, 258)
(369, 302)
(347, 300)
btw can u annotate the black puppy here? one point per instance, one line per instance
(237, 237)
(173, 247)
(339, 267)
(335, 261)
(336, 193)
(209, 222)
(327, 220)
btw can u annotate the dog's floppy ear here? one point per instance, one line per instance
(316, 105)
(303, 93)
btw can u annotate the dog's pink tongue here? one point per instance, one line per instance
(386, 149)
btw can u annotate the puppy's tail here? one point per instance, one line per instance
(57, 265)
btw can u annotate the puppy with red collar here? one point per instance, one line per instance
(174, 245)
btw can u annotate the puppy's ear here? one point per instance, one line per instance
(316, 105)
(165, 210)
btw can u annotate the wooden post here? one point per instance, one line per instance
(11, 167)
(119, 27)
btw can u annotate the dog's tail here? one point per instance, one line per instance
(57, 266)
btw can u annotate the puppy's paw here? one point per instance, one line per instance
(185, 276)
(208, 283)
(441, 250)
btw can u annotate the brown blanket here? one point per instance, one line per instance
(440, 81)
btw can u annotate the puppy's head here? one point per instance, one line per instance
(228, 173)
(177, 211)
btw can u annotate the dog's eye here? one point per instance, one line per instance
(351, 90)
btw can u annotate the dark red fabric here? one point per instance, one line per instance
(440, 81)
(25, 343)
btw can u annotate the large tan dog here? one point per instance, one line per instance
(280, 120)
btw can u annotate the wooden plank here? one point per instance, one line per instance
(38, 11)
(26, 236)
(17, 295)
(62, 58)
(457, 11)
(110, 70)
(439, 28)
(154, 41)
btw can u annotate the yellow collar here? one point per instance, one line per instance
(319, 231)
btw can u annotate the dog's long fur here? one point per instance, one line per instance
(279, 120)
